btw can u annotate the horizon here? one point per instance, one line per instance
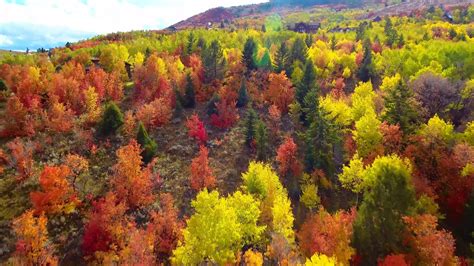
(33, 24)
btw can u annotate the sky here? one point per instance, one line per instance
(50, 23)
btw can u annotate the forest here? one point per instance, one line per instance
(244, 144)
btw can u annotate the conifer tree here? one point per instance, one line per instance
(3, 86)
(307, 83)
(250, 126)
(248, 56)
(265, 62)
(298, 51)
(366, 70)
(189, 93)
(211, 107)
(261, 140)
(243, 98)
(398, 108)
(112, 119)
(147, 145)
(281, 59)
(213, 61)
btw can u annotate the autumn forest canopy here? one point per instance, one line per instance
(257, 140)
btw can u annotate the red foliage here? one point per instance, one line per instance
(97, 78)
(227, 114)
(201, 173)
(57, 194)
(393, 260)
(392, 137)
(196, 129)
(328, 234)
(280, 91)
(114, 86)
(21, 157)
(338, 90)
(18, 119)
(148, 84)
(60, 118)
(157, 113)
(197, 74)
(287, 158)
(431, 246)
(132, 184)
(166, 227)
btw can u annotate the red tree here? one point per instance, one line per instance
(287, 158)
(280, 91)
(201, 173)
(393, 260)
(196, 129)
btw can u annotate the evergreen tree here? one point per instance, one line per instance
(333, 42)
(307, 83)
(211, 105)
(189, 100)
(190, 44)
(398, 108)
(308, 40)
(213, 61)
(112, 119)
(365, 72)
(281, 59)
(298, 51)
(243, 98)
(248, 56)
(147, 145)
(390, 32)
(3, 86)
(250, 126)
(266, 61)
(379, 228)
(261, 140)
(178, 109)
(361, 31)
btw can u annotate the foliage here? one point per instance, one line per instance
(261, 140)
(112, 119)
(201, 174)
(248, 57)
(189, 99)
(287, 158)
(157, 113)
(250, 126)
(148, 146)
(320, 260)
(353, 175)
(367, 135)
(280, 91)
(196, 129)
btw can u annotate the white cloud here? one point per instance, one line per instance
(5, 40)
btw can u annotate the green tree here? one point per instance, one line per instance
(218, 229)
(281, 59)
(243, 98)
(265, 62)
(148, 146)
(367, 134)
(298, 51)
(307, 83)
(261, 140)
(211, 105)
(399, 108)
(366, 69)
(390, 32)
(213, 61)
(248, 56)
(250, 126)
(190, 44)
(379, 228)
(3, 85)
(189, 98)
(112, 119)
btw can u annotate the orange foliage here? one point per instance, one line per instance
(132, 184)
(18, 119)
(114, 86)
(393, 260)
(60, 118)
(150, 81)
(392, 137)
(21, 157)
(196, 129)
(32, 246)
(197, 75)
(287, 158)
(56, 194)
(157, 113)
(201, 173)
(280, 91)
(129, 127)
(338, 89)
(227, 114)
(274, 114)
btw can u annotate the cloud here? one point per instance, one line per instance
(51, 22)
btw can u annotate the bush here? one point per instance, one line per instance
(148, 145)
(112, 119)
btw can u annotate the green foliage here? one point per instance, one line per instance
(438, 131)
(190, 44)
(281, 59)
(265, 62)
(366, 69)
(309, 196)
(248, 54)
(260, 180)
(261, 140)
(362, 100)
(211, 105)
(148, 146)
(378, 229)
(298, 51)
(399, 109)
(307, 84)
(243, 97)
(189, 99)
(390, 33)
(250, 126)
(353, 175)
(112, 119)
(3, 85)
(273, 23)
(214, 61)
(367, 134)
(233, 226)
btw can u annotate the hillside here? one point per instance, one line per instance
(293, 134)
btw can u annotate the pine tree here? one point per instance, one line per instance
(398, 109)
(298, 51)
(308, 40)
(189, 93)
(213, 61)
(307, 83)
(281, 59)
(261, 140)
(243, 98)
(190, 44)
(147, 145)
(248, 57)
(3, 85)
(250, 124)
(112, 119)
(333, 43)
(265, 62)
(365, 72)
(211, 105)
(390, 32)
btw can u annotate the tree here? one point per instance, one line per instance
(250, 126)
(93, 110)
(307, 84)
(265, 62)
(353, 175)
(399, 108)
(190, 44)
(214, 61)
(261, 140)
(21, 158)
(189, 99)
(112, 119)
(3, 85)
(320, 260)
(201, 174)
(298, 51)
(227, 114)
(280, 91)
(287, 158)
(378, 228)
(367, 135)
(430, 245)
(33, 246)
(132, 184)
(56, 195)
(393, 260)
(363, 100)
(60, 118)
(112, 57)
(281, 62)
(328, 234)
(196, 129)
(157, 113)
(390, 33)
(218, 241)
(248, 57)
(243, 98)
(366, 69)
(149, 147)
